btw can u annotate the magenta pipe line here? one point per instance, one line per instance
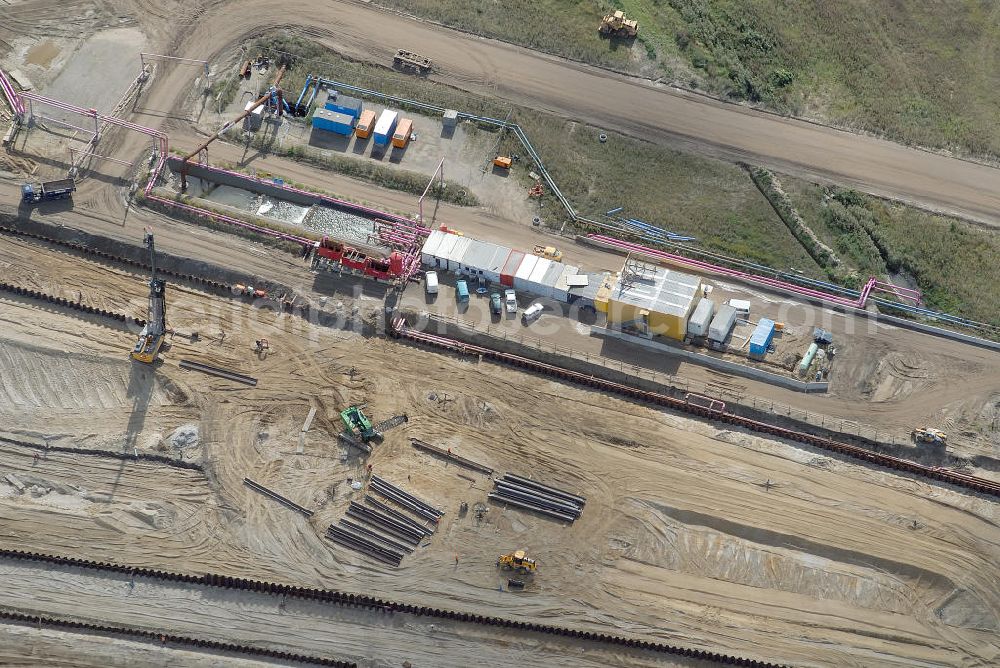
(678, 259)
(16, 103)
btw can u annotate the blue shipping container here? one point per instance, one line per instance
(344, 104)
(761, 337)
(333, 121)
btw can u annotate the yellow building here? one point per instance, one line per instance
(650, 300)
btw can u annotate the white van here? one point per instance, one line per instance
(532, 313)
(431, 282)
(742, 306)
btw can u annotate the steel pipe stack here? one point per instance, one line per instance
(404, 499)
(536, 497)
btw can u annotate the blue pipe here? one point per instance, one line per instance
(315, 90)
(304, 89)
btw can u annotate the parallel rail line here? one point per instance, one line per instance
(145, 635)
(343, 599)
(970, 482)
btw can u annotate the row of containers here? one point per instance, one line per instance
(510, 268)
(346, 115)
(715, 326)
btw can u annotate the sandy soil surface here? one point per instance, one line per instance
(27, 646)
(830, 564)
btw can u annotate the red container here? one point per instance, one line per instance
(510, 268)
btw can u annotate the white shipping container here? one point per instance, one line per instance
(385, 121)
(722, 324)
(535, 284)
(457, 253)
(430, 249)
(444, 250)
(524, 271)
(701, 318)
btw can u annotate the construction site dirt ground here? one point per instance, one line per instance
(691, 533)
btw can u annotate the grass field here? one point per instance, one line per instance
(918, 72)
(953, 262)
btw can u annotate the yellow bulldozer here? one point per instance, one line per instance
(616, 25)
(517, 561)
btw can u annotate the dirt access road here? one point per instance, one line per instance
(616, 102)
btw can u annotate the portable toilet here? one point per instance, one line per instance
(401, 137)
(385, 126)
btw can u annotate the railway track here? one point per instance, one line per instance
(346, 600)
(163, 638)
(965, 481)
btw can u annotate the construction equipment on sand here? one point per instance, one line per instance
(357, 424)
(930, 435)
(412, 62)
(517, 561)
(550, 252)
(616, 25)
(153, 332)
(262, 347)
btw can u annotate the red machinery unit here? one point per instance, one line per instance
(354, 259)
(331, 250)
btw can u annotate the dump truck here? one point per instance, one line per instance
(550, 252)
(412, 62)
(616, 25)
(32, 193)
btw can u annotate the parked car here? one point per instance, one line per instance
(532, 313)
(496, 307)
(431, 282)
(510, 301)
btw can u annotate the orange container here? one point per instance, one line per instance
(365, 124)
(401, 137)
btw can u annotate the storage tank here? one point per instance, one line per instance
(385, 126)
(701, 318)
(807, 360)
(722, 324)
(761, 337)
(333, 121)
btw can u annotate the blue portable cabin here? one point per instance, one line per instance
(344, 104)
(461, 292)
(333, 121)
(760, 340)
(385, 126)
